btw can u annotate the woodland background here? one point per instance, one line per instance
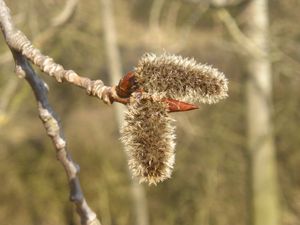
(211, 182)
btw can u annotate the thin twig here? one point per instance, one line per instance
(238, 35)
(247, 44)
(54, 131)
(22, 49)
(18, 42)
(57, 22)
(66, 13)
(155, 14)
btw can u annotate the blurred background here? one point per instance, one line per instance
(237, 162)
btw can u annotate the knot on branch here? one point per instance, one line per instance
(94, 222)
(19, 71)
(98, 89)
(20, 43)
(52, 127)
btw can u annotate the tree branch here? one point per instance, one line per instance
(18, 42)
(22, 50)
(57, 22)
(66, 13)
(246, 43)
(54, 131)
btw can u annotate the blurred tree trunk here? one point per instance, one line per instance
(261, 144)
(115, 71)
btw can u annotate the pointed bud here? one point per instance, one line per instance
(178, 106)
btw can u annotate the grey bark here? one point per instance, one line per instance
(260, 132)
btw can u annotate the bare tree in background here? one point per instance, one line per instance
(115, 71)
(264, 177)
(260, 134)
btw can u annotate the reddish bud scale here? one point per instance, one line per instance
(178, 106)
(127, 85)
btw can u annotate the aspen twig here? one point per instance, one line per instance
(243, 41)
(18, 42)
(60, 20)
(247, 44)
(22, 50)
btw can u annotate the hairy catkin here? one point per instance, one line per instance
(181, 78)
(148, 136)
(147, 133)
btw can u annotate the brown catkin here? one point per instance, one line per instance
(148, 136)
(180, 78)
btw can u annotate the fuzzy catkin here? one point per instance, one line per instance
(148, 136)
(180, 78)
